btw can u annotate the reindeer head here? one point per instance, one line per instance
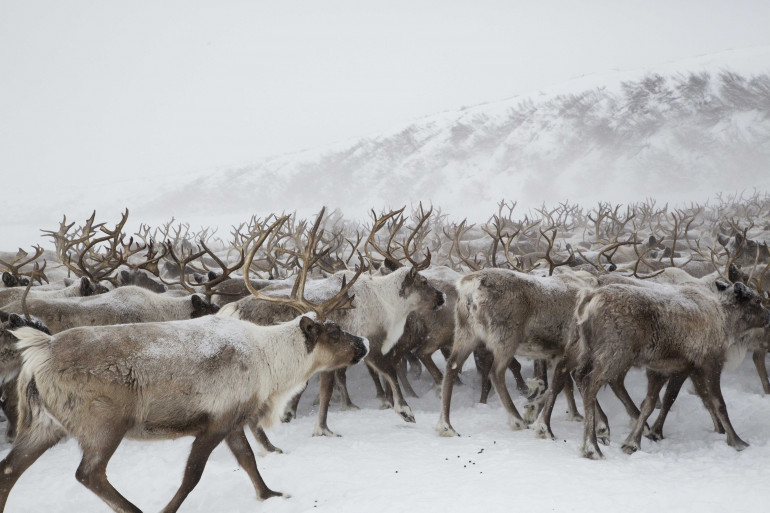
(333, 347)
(201, 307)
(90, 288)
(417, 291)
(743, 306)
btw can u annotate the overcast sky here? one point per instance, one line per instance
(106, 88)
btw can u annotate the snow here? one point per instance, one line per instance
(382, 464)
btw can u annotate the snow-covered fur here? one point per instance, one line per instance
(382, 304)
(81, 288)
(123, 305)
(510, 313)
(683, 329)
(203, 377)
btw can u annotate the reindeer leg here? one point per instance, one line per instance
(432, 368)
(569, 393)
(325, 392)
(702, 388)
(454, 366)
(10, 404)
(377, 385)
(542, 425)
(415, 367)
(619, 388)
(602, 428)
(590, 448)
(483, 360)
(341, 380)
(384, 365)
(92, 471)
(291, 407)
(541, 371)
(759, 362)
(498, 380)
(675, 383)
(655, 382)
(240, 447)
(261, 437)
(27, 448)
(521, 385)
(202, 446)
(713, 379)
(401, 373)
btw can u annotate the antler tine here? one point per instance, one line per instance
(640, 259)
(461, 230)
(424, 216)
(377, 225)
(15, 266)
(341, 300)
(226, 271)
(182, 264)
(551, 263)
(38, 273)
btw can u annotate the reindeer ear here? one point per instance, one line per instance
(124, 277)
(652, 241)
(742, 292)
(197, 302)
(391, 264)
(311, 330)
(739, 238)
(16, 321)
(733, 274)
(85, 287)
(721, 286)
(8, 279)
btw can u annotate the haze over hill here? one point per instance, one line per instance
(681, 132)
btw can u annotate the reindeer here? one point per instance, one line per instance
(510, 313)
(683, 329)
(10, 363)
(83, 288)
(129, 304)
(203, 377)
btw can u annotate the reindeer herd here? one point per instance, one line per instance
(166, 332)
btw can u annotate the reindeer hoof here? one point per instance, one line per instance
(349, 407)
(323, 431)
(603, 435)
(575, 417)
(287, 417)
(592, 453)
(535, 388)
(655, 436)
(739, 445)
(269, 494)
(530, 413)
(444, 429)
(542, 431)
(517, 424)
(406, 414)
(630, 448)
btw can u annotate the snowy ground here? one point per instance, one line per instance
(382, 464)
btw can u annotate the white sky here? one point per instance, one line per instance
(105, 88)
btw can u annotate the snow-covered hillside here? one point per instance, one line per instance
(675, 135)
(682, 131)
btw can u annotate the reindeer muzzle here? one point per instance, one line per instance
(361, 347)
(440, 300)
